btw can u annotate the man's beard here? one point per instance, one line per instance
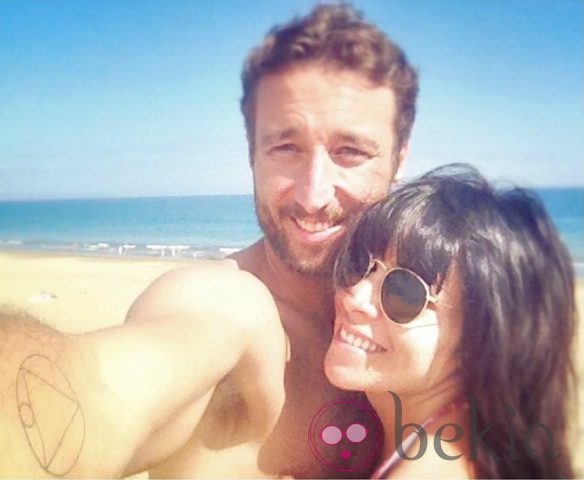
(318, 263)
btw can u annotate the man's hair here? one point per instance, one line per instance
(336, 36)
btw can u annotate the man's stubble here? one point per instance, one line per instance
(318, 263)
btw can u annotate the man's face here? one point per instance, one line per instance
(324, 150)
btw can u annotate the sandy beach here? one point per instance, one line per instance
(76, 294)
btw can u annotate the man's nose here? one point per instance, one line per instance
(315, 187)
(358, 302)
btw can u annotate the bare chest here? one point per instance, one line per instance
(311, 436)
(322, 432)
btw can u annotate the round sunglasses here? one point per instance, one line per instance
(403, 295)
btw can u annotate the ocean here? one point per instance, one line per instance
(193, 227)
(201, 226)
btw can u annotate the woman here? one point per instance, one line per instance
(455, 306)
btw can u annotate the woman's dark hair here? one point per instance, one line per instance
(518, 306)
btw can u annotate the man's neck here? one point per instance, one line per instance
(311, 296)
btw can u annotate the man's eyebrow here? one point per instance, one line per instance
(358, 140)
(275, 136)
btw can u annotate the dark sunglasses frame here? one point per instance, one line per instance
(429, 299)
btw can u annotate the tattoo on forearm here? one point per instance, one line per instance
(50, 415)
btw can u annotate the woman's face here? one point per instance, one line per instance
(369, 352)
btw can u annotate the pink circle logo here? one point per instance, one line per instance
(346, 435)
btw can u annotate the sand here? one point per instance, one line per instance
(76, 294)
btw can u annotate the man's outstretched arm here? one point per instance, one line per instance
(90, 405)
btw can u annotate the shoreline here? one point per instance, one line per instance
(122, 250)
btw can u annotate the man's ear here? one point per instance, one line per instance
(401, 161)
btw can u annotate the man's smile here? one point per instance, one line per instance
(313, 232)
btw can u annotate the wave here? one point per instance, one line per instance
(123, 249)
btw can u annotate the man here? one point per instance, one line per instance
(183, 389)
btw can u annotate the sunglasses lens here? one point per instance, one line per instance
(403, 296)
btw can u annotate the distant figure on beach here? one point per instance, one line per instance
(329, 105)
(455, 313)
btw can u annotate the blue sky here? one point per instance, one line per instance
(114, 98)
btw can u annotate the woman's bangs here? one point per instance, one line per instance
(405, 226)
(421, 241)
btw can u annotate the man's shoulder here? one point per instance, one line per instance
(250, 259)
(206, 286)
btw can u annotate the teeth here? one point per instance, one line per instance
(314, 227)
(358, 342)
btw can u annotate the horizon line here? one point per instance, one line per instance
(138, 197)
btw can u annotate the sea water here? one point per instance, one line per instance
(201, 226)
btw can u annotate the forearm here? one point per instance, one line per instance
(32, 376)
(51, 405)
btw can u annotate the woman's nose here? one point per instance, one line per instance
(358, 302)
